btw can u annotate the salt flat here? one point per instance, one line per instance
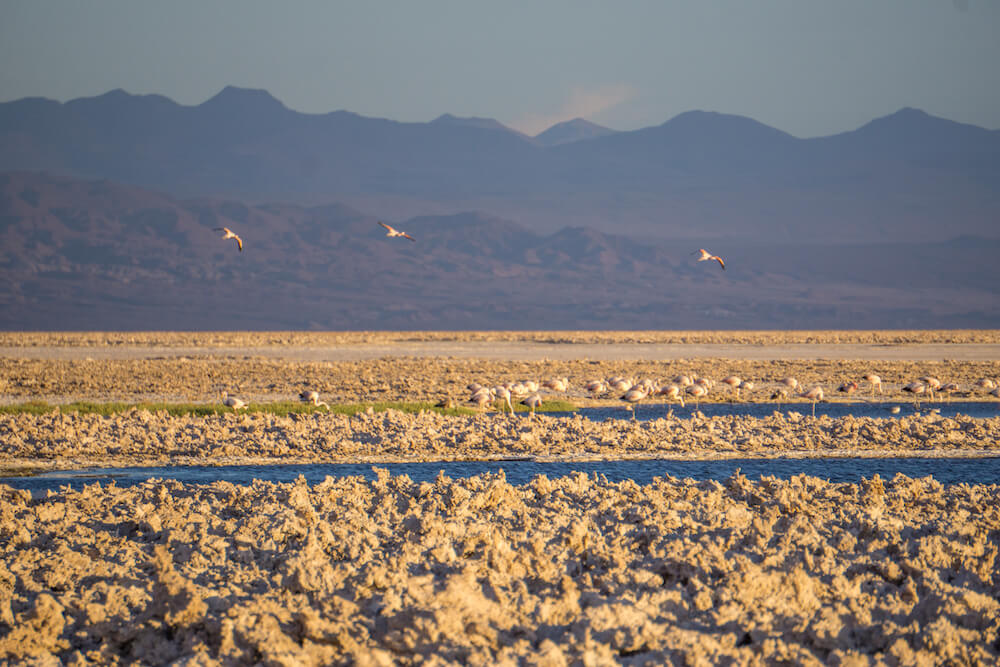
(526, 351)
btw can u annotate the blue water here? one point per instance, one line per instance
(946, 471)
(978, 409)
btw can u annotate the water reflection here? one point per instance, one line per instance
(945, 470)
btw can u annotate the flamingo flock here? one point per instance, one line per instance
(633, 391)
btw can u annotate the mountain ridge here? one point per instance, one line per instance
(720, 174)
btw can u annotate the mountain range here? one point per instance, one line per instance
(700, 176)
(98, 254)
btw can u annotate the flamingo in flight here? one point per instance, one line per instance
(392, 231)
(706, 256)
(230, 235)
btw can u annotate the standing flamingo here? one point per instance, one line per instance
(503, 394)
(532, 402)
(633, 396)
(233, 402)
(312, 396)
(734, 382)
(875, 381)
(815, 395)
(698, 391)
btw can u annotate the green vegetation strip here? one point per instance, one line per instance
(278, 408)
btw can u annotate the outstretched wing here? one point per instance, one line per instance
(408, 236)
(721, 263)
(386, 226)
(239, 242)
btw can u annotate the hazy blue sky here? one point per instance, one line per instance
(808, 67)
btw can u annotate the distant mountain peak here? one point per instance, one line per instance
(571, 130)
(233, 95)
(472, 121)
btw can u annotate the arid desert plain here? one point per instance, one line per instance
(575, 570)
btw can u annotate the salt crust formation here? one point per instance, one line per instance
(140, 437)
(575, 570)
(259, 379)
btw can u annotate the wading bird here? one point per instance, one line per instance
(482, 397)
(230, 235)
(503, 394)
(312, 396)
(917, 389)
(848, 388)
(558, 384)
(706, 256)
(233, 402)
(875, 381)
(815, 395)
(698, 391)
(734, 382)
(633, 396)
(986, 383)
(392, 231)
(671, 392)
(532, 402)
(779, 394)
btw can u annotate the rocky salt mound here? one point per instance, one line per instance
(477, 571)
(140, 437)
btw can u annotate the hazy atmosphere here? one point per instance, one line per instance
(807, 68)
(559, 165)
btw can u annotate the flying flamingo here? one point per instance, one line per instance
(230, 235)
(395, 232)
(312, 396)
(233, 402)
(706, 255)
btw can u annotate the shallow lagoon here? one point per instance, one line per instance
(852, 470)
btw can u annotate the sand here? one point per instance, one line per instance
(576, 570)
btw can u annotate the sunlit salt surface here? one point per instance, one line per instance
(944, 470)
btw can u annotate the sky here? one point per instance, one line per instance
(808, 67)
